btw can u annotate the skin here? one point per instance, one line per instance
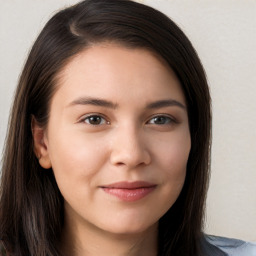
(129, 138)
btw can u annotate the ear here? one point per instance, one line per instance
(40, 144)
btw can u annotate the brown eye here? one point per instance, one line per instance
(95, 120)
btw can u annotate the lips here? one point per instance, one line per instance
(129, 191)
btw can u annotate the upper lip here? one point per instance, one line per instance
(130, 185)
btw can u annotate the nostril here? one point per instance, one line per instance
(120, 163)
(131, 160)
(129, 148)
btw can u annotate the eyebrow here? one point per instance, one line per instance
(165, 103)
(93, 101)
(109, 104)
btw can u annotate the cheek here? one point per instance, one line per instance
(174, 152)
(77, 161)
(172, 157)
(76, 155)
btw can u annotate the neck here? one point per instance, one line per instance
(88, 240)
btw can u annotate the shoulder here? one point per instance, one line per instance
(232, 247)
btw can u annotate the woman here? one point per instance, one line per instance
(108, 144)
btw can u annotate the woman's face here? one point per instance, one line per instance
(117, 139)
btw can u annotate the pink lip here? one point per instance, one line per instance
(129, 191)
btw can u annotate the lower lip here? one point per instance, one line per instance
(129, 195)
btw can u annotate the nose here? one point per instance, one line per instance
(129, 148)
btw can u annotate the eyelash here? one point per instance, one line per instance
(97, 116)
(167, 120)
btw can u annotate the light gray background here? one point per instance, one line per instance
(224, 34)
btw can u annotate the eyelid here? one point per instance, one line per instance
(84, 117)
(172, 119)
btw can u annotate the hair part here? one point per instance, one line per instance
(29, 194)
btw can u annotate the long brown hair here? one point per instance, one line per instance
(31, 206)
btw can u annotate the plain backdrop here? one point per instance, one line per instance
(224, 34)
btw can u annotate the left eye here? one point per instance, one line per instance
(95, 120)
(160, 120)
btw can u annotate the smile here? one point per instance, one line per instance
(129, 191)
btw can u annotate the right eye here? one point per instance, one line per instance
(94, 120)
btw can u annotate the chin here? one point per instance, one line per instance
(133, 226)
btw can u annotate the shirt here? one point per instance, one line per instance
(228, 246)
(232, 247)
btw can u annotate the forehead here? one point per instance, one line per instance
(110, 69)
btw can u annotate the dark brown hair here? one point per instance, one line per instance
(31, 206)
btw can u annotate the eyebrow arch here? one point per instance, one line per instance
(165, 103)
(93, 101)
(109, 104)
